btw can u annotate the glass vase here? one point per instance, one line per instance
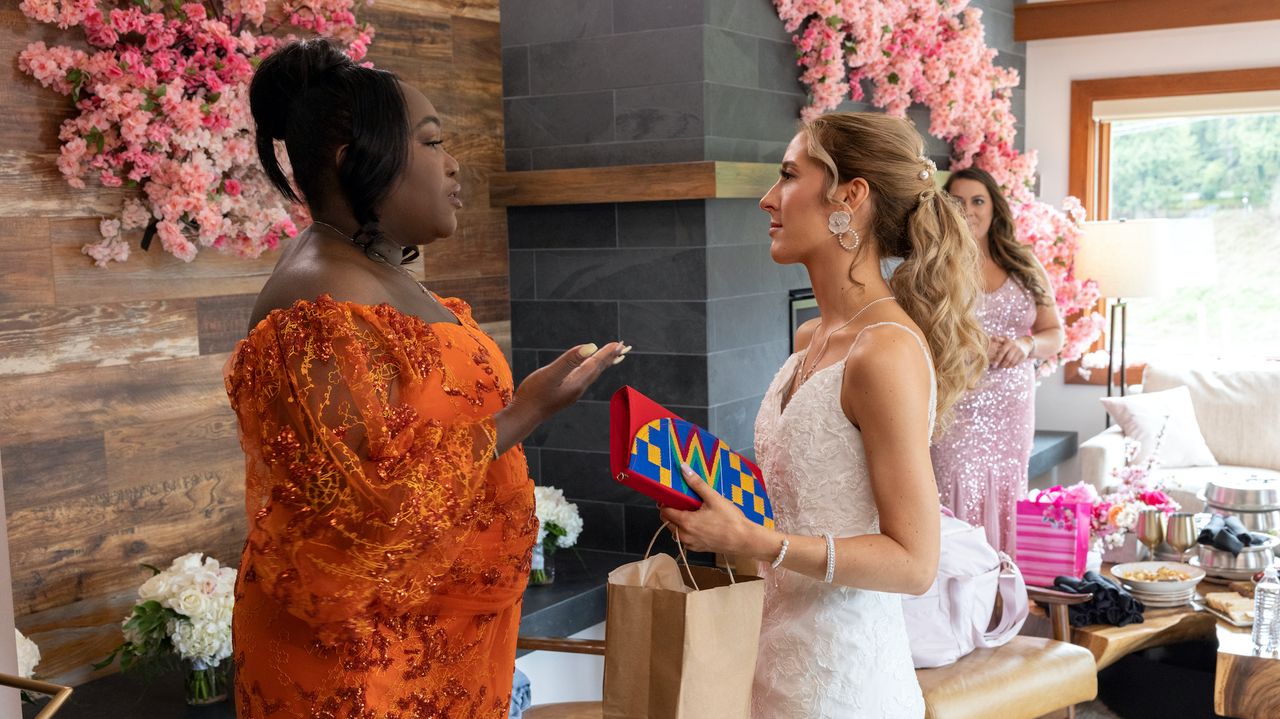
(542, 569)
(206, 684)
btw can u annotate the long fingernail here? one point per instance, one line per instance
(619, 358)
(625, 349)
(588, 349)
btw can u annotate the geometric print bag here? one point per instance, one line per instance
(648, 443)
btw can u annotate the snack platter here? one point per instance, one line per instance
(1199, 604)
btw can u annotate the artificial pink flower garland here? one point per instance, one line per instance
(932, 52)
(163, 105)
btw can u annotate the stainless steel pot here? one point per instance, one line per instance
(1250, 560)
(1267, 521)
(1249, 494)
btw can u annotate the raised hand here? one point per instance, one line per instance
(552, 388)
(561, 383)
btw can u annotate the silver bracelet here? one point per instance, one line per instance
(831, 558)
(781, 553)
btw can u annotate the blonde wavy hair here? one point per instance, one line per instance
(939, 282)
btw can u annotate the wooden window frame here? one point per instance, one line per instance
(1089, 163)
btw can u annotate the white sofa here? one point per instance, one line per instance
(1238, 409)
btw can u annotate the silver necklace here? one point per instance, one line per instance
(804, 376)
(397, 268)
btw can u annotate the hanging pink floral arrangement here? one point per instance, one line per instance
(162, 101)
(932, 52)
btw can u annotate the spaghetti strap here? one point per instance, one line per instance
(928, 358)
(923, 348)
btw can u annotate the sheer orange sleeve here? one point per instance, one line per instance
(367, 447)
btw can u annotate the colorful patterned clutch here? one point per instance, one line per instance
(649, 442)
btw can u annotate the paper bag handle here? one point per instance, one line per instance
(684, 557)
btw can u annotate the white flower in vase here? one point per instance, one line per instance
(559, 526)
(28, 655)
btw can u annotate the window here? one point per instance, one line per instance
(1223, 169)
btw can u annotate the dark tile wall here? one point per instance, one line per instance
(689, 284)
(621, 82)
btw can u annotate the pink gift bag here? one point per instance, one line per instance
(1051, 541)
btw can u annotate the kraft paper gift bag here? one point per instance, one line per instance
(680, 646)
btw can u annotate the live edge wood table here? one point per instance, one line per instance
(1246, 686)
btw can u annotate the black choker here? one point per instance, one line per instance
(377, 246)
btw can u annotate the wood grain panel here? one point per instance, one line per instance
(32, 113)
(72, 637)
(632, 183)
(477, 249)
(477, 45)
(223, 321)
(50, 338)
(53, 471)
(105, 525)
(412, 40)
(26, 271)
(76, 402)
(83, 572)
(31, 186)
(745, 179)
(1077, 18)
(147, 275)
(489, 297)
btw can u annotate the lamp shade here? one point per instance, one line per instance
(1129, 258)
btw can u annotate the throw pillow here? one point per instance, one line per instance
(1142, 416)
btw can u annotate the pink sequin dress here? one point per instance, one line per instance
(981, 461)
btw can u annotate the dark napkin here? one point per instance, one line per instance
(1111, 603)
(1229, 535)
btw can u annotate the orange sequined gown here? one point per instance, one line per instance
(387, 551)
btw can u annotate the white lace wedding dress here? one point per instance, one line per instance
(826, 651)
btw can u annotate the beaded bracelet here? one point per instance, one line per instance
(831, 558)
(781, 553)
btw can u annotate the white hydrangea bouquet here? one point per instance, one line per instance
(28, 658)
(28, 655)
(184, 610)
(559, 525)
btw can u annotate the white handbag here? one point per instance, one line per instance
(951, 619)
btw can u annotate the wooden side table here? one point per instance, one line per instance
(1109, 644)
(1245, 686)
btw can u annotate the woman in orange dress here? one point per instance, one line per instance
(390, 508)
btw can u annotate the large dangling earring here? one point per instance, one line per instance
(857, 240)
(839, 224)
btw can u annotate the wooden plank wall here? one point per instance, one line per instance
(118, 444)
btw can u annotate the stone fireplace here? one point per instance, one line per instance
(683, 276)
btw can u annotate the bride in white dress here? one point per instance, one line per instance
(843, 433)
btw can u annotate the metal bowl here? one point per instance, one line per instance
(1267, 521)
(1217, 563)
(1250, 494)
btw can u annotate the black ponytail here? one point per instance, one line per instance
(314, 97)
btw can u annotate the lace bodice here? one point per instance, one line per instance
(826, 650)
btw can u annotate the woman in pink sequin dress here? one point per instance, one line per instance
(981, 462)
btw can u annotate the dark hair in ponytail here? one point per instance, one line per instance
(317, 99)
